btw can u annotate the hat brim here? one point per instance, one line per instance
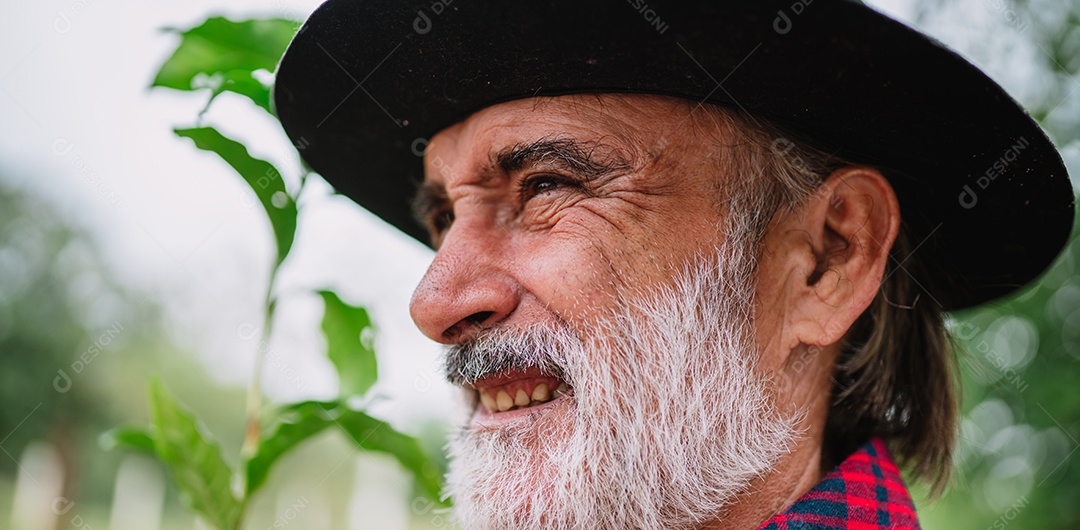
(986, 196)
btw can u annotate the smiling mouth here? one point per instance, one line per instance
(517, 390)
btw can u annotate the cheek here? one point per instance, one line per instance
(593, 258)
(571, 276)
(771, 314)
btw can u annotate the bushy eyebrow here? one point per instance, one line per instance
(588, 160)
(585, 159)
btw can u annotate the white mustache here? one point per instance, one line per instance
(500, 350)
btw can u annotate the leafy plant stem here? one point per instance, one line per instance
(227, 56)
(253, 427)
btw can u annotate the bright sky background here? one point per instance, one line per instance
(79, 126)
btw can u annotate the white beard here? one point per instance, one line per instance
(667, 422)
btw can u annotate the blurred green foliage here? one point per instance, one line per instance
(223, 55)
(50, 279)
(204, 479)
(221, 51)
(76, 344)
(262, 177)
(1018, 463)
(66, 320)
(1020, 364)
(349, 336)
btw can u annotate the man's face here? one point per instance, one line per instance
(560, 205)
(598, 315)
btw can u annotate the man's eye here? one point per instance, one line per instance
(540, 184)
(441, 221)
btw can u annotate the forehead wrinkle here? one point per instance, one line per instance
(636, 135)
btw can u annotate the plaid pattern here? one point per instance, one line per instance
(864, 493)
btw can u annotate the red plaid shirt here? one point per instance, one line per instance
(864, 493)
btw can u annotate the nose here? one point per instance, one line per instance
(467, 288)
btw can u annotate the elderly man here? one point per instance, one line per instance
(691, 258)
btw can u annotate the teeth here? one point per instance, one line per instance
(504, 401)
(488, 401)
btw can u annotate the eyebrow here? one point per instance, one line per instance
(587, 159)
(590, 160)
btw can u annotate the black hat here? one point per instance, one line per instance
(983, 191)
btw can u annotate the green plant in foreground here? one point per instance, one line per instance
(221, 55)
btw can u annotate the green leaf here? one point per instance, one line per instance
(221, 46)
(299, 422)
(133, 438)
(199, 471)
(244, 83)
(295, 424)
(376, 435)
(263, 178)
(349, 338)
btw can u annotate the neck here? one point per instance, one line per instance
(804, 466)
(791, 479)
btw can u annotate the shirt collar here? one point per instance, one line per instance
(865, 492)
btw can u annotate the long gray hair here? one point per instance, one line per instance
(895, 375)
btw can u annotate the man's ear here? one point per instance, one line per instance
(836, 248)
